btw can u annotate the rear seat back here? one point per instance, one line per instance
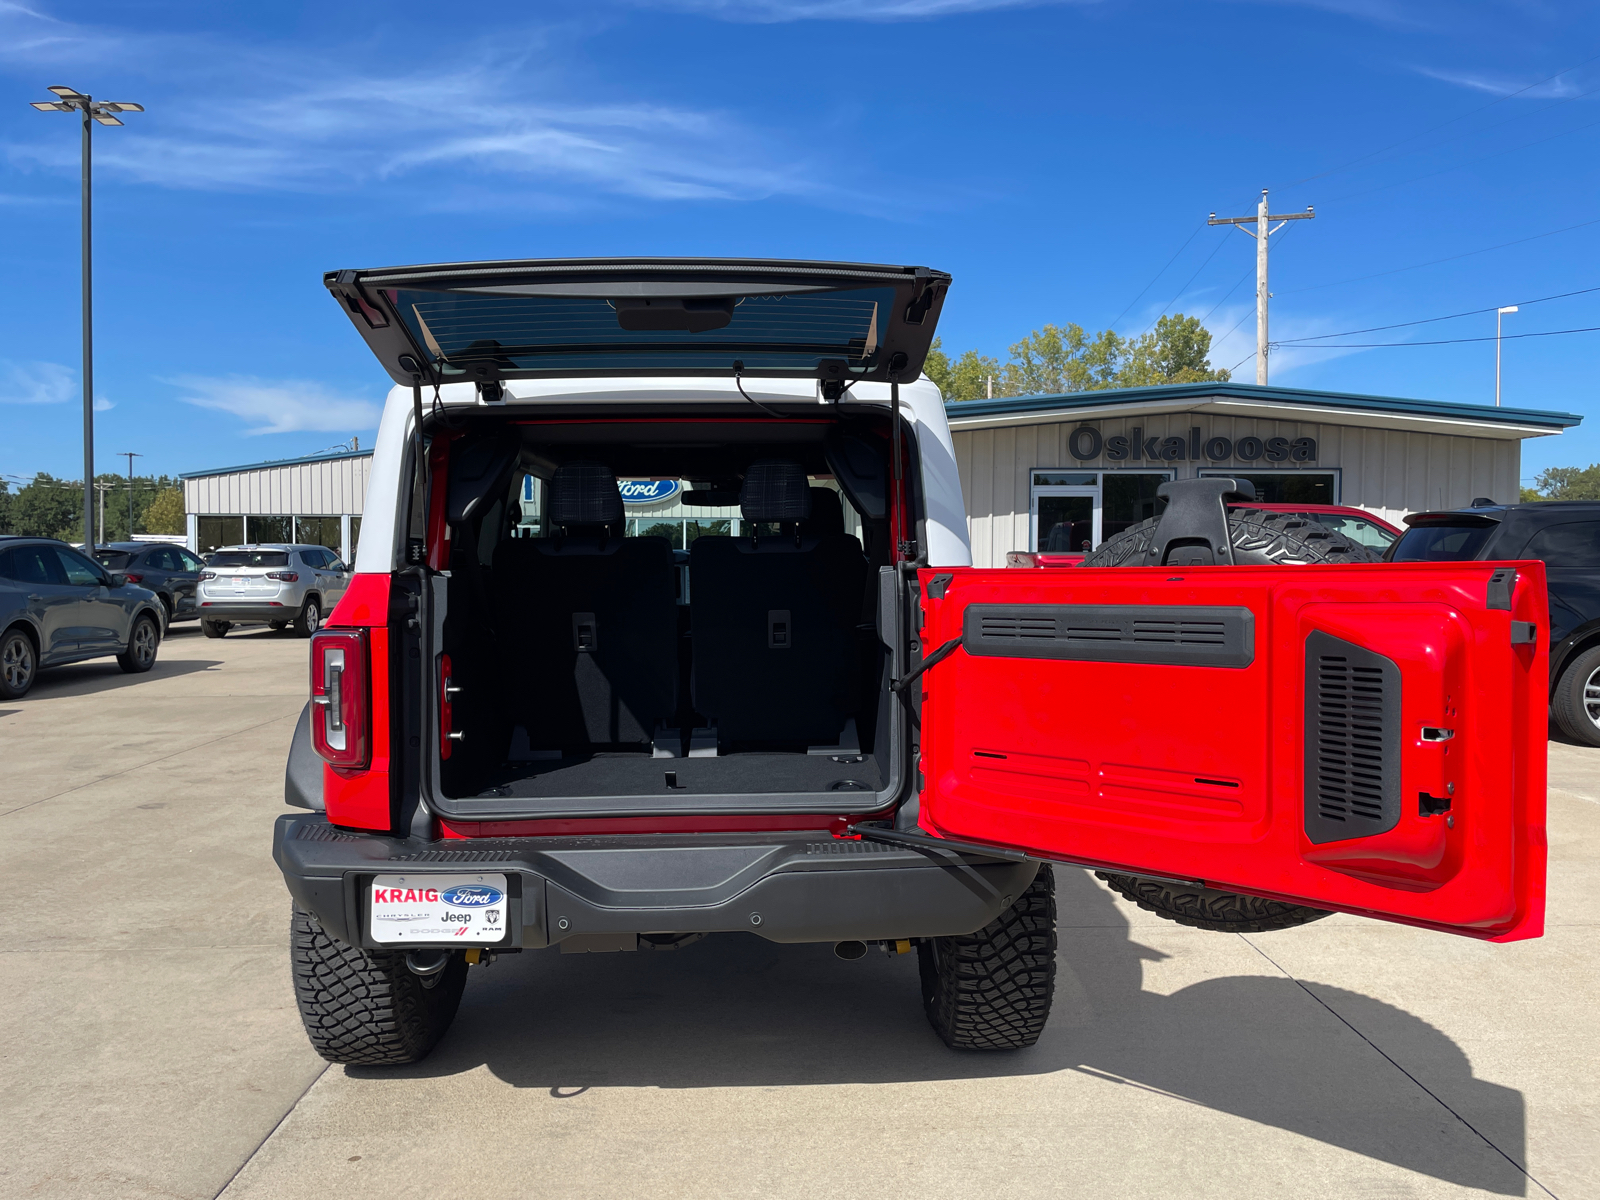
(774, 618)
(589, 620)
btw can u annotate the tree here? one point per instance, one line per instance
(1063, 358)
(5, 507)
(1567, 483)
(48, 507)
(165, 514)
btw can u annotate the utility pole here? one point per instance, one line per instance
(103, 488)
(130, 456)
(1498, 314)
(103, 113)
(1261, 221)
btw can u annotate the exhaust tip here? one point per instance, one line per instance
(427, 962)
(850, 951)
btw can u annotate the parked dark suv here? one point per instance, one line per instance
(165, 568)
(1565, 536)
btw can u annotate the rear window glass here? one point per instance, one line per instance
(114, 559)
(1575, 544)
(1441, 543)
(1363, 533)
(250, 558)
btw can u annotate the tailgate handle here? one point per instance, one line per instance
(1431, 733)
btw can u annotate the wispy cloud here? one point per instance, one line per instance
(279, 406)
(497, 113)
(36, 383)
(1563, 87)
(773, 11)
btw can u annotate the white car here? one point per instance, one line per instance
(275, 582)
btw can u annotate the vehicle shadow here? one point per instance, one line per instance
(103, 675)
(736, 1011)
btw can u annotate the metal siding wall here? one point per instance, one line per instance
(1389, 472)
(332, 488)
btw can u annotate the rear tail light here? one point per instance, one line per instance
(133, 578)
(286, 576)
(341, 714)
(208, 574)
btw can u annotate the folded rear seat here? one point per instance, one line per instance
(590, 622)
(776, 659)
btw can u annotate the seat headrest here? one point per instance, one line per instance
(775, 491)
(585, 493)
(827, 514)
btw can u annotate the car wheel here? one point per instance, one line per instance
(19, 663)
(310, 619)
(991, 990)
(1575, 703)
(367, 1006)
(140, 655)
(215, 628)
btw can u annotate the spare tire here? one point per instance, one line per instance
(1258, 539)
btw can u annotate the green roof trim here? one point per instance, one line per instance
(1087, 402)
(279, 462)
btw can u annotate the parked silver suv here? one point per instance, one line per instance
(272, 582)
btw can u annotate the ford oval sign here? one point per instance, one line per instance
(471, 895)
(647, 491)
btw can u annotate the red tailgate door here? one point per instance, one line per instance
(1362, 738)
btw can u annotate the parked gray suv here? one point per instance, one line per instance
(277, 583)
(59, 606)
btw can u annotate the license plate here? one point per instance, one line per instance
(238, 581)
(438, 908)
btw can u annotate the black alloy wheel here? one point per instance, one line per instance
(19, 663)
(140, 655)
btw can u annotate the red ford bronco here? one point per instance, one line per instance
(797, 710)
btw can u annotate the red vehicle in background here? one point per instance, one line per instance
(1357, 524)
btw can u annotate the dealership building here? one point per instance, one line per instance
(1037, 472)
(1056, 472)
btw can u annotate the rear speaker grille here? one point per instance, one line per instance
(1352, 740)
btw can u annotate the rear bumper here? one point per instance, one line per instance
(798, 887)
(260, 610)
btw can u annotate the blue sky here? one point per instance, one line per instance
(1056, 158)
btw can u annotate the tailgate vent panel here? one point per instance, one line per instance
(1186, 636)
(1352, 740)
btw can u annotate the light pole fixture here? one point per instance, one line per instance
(130, 455)
(1498, 314)
(102, 113)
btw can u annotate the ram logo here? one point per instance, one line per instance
(471, 895)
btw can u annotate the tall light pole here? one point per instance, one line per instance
(68, 100)
(1498, 314)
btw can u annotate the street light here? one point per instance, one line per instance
(1498, 313)
(103, 113)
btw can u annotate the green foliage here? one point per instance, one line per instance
(5, 507)
(165, 514)
(1063, 358)
(48, 507)
(1566, 483)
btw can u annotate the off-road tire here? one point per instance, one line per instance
(1206, 908)
(365, 1007)
(310, 618)
(1258, 538)
(1567, 700)
(143, 641)
(19, 664)
(991, 990)
(215, 628)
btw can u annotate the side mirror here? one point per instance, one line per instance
(117, 579)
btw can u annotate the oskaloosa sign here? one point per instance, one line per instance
(648, 491)
(1085, 443)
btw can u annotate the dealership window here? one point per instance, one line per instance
(264, 528)
(213, 532)
(1074, 511)
(317, 531)
(1289, 487)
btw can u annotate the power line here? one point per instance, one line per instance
(1434, 262)
(1431, 320)
(1157, 275)
(1444, 341)
(1185, 287)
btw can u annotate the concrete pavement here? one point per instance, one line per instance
(151, 1046)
